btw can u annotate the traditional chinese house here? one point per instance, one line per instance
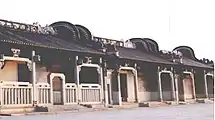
(43, 67)
(63, 64)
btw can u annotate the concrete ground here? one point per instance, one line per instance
(179, 112)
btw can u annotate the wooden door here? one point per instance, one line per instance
(188, 87)
(57, 91)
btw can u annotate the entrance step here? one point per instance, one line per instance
(204, 101)
(125, 105)
(58, 108)
(129, 105)
(191, 101)
(7, 111)
(171, 102)
(152, 104)
(96, 107)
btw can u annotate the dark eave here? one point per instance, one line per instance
(42, 40)
(134, 54)
(193, 63)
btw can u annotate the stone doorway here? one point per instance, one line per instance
(167, 87)
(210, 86)
(188, 87)
(57, 82)
(124, 86)
(57, 91)
(127, 86)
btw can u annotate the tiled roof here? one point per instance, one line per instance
(134, 54)
(193, 63)
(42, 40)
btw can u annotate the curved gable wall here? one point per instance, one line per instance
(186, 51)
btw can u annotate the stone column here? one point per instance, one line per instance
(119, 88)
(109, 82)
(136, 86)
(77, 71)
(173, 86)
(193, 82)
(106, 91)
(1, 95)
(1, 67)
(206, 84)
(34, 79)
(105, 85)
(99, 71)
(159, 85)
(176, 88)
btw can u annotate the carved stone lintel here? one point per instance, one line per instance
(29, 64)
(165, 69)
(16, 52)
(1, 64)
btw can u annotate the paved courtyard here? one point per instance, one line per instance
(181, 112)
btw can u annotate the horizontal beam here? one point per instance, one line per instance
(89, 65)
(8, 58)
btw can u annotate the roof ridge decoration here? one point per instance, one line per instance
(145, 44)
(107, 41)
(207, 61)
(174, 56)
(35, 27)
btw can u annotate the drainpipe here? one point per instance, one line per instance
(206, 85)
(34, 79)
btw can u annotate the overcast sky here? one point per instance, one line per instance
(170, 22)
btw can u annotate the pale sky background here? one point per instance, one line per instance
(170, 22)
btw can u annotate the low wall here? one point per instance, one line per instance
(148, 96)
